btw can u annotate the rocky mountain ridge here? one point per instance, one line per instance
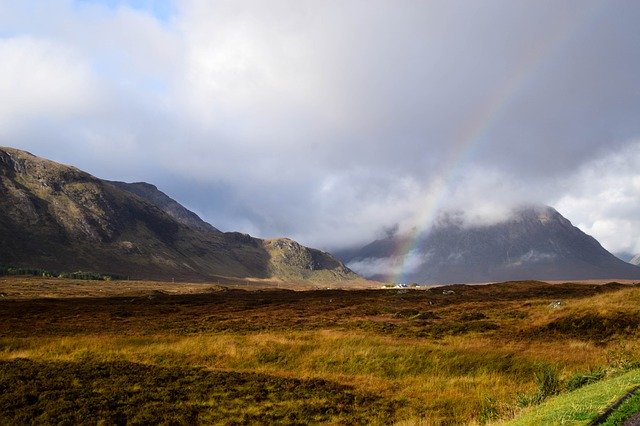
(60, 218)
(167, 204)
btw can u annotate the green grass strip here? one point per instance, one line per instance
(628, 408)
(579, 407)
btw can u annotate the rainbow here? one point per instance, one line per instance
(474, 132)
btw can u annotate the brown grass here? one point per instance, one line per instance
(437, 357)
(29, 287)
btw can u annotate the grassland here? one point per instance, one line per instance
(576, 408)
(184, 354)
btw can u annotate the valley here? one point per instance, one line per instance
(118, 305)
(244, 352)
(319, 213)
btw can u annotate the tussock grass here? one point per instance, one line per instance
(422, 354)
(456, 379)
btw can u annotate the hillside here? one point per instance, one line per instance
(536, 242)
(153, 195)
(60, 218)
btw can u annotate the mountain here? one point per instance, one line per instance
(536, 242)
(153, 195)
(635, 260)
(60, 218)
(623, 255)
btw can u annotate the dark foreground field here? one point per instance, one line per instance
(445, 355)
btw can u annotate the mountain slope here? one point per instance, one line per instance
(635, 260)
(167, 204)
(60, 218)
(535, 243)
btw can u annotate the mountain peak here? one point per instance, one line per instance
(145, 185)
(152, 194)
(535, 242)
(14, 161)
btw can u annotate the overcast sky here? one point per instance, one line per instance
(331, 121)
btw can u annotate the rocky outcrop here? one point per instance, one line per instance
(292, 260)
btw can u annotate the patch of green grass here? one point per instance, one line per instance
(548, 384)
(37, 272)
(581, 406)
(629, 408)
(581, 379)
(488, 411)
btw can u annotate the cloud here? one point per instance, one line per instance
(331, 121)
(41, 80)
(532, 256)
(603, 199)
(389, 266)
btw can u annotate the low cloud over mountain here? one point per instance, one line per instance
(534, 242)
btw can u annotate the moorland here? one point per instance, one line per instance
(118, 352)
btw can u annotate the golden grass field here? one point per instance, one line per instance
(248, 353)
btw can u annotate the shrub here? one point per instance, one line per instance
(548, 382)
(580, 379)
(488, 411)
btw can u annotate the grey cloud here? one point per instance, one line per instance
(330, 121)
(532, 256)
(389, 266)
(602, 199)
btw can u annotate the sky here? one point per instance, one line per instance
(332, 122)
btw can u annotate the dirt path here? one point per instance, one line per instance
(633, 421)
